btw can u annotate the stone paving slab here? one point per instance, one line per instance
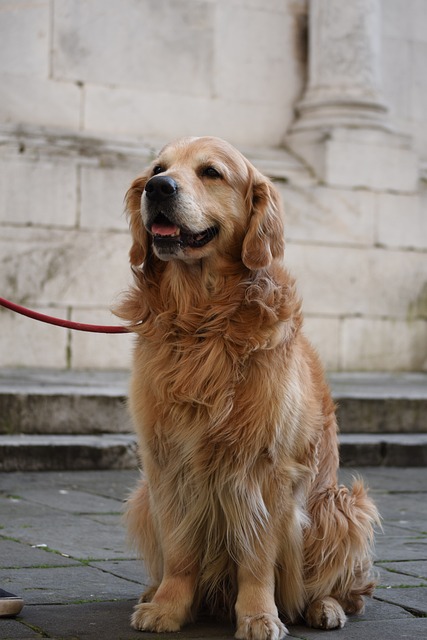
(413, 599)
(91, 594)
(73, 501)
(76, 536)
(398, 549)
(15, 555)
(111, 621)
(414, 629)
(14, 630)
(393, 578)
(65, 585)
(129, 569)
(402, 506)
(386, 480)
(99, 482)
(417, 569)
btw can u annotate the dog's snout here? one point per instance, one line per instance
(160, 188)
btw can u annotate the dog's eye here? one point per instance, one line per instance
(158, 169)
(211, 172)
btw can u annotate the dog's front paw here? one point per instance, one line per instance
(263, 626)
(148, 594)
(150, 616)
(325, 613)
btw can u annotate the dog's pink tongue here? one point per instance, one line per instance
(164, 229)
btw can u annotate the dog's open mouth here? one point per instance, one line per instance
(167, 234)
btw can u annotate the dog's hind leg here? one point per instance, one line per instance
(338, 550)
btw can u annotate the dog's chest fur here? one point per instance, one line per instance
(209, 362)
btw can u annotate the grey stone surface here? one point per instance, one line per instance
(110, 621)
(413, 599)
(15, 555)
(383, 479)
(78, 537)
(380, 402)
(398, 549)
(129, 569)
(394, 578)
(55, 420)
(387, 449)
(49, 401)
(55, 452)
(64, 585)
(402, 507)
(102, 483)
(408, 568)
(15, 630)
(414, 629)
(73, 501)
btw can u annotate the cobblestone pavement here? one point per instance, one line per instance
(62, 548)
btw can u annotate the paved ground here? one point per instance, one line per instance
(62, 547)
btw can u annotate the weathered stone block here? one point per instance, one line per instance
(163, 117)
(38, 192)
(117, 46)
(379, 344)
(99, 351)
(28, 343)
(350, 281)
(102, 197)
(71, 268)
(358, 158)
(39, 101)
(402, 220)
(333, 216)
(24, 37)
(324, 334)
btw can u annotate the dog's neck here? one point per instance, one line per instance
(258, 308)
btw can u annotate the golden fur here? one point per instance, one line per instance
(238, 509)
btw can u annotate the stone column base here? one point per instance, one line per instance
(357, 157)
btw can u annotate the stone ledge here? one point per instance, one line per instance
(387, 450)
(93, 402)
(83, 452)
(67, 452)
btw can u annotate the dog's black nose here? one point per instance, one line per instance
(159, 188)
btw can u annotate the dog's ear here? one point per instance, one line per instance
(140, 246)
(264, 239)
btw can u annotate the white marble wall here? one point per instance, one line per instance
(404, 77)
(154, 69)
(89, 89)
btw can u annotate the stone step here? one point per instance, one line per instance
(380, 402)
(67, 452)
(82, 452)
(52, 420)
(83, 402)
(43, 401)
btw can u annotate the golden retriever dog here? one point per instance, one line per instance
(238, 510)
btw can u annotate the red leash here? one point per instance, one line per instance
(59, 322)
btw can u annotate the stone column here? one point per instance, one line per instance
(342, 129)
(344, 84)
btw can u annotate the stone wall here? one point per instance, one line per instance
(89, 91)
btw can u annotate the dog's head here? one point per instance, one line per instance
(201, 197)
